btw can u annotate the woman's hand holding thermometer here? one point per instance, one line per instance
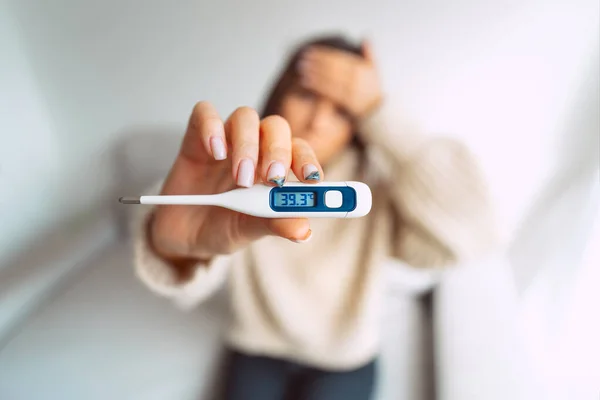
(223, 161)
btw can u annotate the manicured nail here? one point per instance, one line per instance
(307, 52)
(217, 146)
(303, 64)
(276, 173)
(245, 173)
(305, 79)
(311, 173)
(306, 239)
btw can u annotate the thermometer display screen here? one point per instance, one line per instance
(295, 199)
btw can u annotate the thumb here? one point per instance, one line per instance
(294, 229)
(367, 51)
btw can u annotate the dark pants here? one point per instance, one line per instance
(264, 378)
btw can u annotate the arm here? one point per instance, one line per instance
(187, 282)
(438, 195)
(440, 199)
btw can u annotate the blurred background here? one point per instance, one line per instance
(84, 85)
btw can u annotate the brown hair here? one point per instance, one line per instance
(289, 74)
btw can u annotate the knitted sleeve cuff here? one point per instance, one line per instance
(160, 277)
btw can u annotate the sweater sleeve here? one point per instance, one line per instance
(161, 279)
(437, 192)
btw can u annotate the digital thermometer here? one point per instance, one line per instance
(293, 200)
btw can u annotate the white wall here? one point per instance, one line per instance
(28, 147)
(556, 256)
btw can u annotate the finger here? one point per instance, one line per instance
(333, 63)
(330, 70)
(205, 136)
(242, 129)
(328, 78)
(296, 229)
(304, 162)
(367, 51)
(329, 54)
(275, 150)
(334, 88)
(331, 66)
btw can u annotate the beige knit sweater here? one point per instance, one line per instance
(318, 302)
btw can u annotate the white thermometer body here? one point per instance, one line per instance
(293, 200)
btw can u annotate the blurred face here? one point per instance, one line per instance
(318, 120)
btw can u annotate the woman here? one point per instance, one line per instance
(305, 314)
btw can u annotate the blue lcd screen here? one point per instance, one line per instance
(295, 199)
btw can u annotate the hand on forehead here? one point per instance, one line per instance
(346, 78)
(329, 63)
(328, 55)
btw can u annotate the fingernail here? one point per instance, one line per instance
(311, 173)
(307, 52)
(305, 79)
(302, 64)
(245, 173)
(276, 173)
(306, 239)
(217, 146)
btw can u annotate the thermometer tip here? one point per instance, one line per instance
(129, 200)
